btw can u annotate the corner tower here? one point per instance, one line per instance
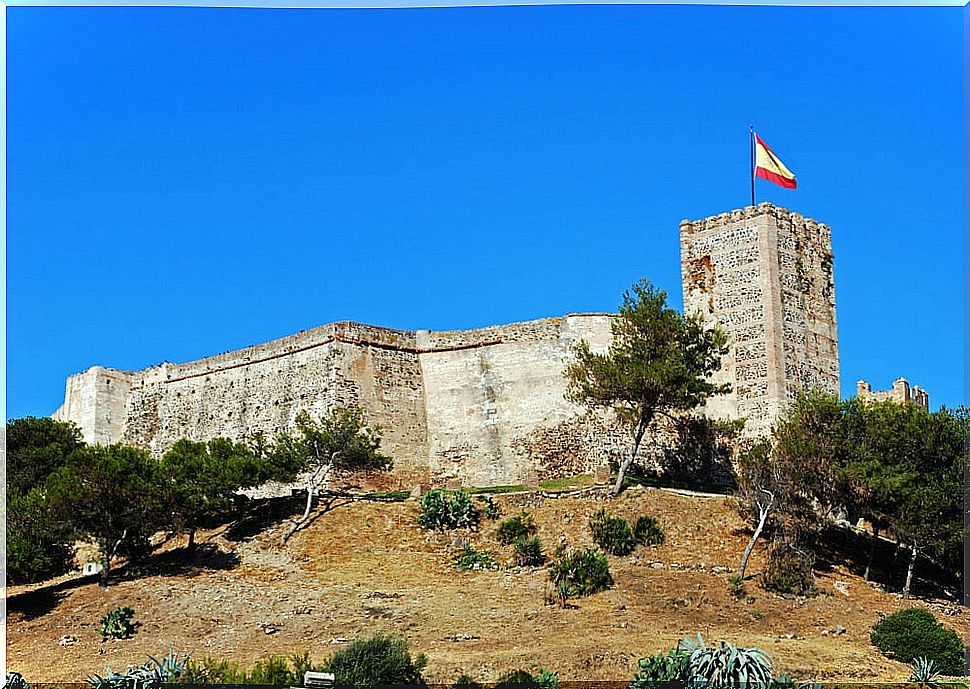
(765, 275)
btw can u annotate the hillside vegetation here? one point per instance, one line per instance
(363, 567)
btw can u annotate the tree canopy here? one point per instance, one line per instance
(110, 492)
(659, 362)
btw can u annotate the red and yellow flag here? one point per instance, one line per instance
(769, 167)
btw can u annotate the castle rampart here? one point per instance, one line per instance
(487, 405)
(453, 402)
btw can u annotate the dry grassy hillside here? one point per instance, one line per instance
(364, 567)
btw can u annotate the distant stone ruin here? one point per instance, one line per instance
(900, 392)
(487, 406)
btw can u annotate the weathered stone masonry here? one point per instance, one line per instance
(765, 275)
(487, 406)
(453, 402)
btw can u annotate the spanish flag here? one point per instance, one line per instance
(769, 167)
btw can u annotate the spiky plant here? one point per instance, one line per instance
(726, 665)
(924, 672)
(151, 675)
(15, 680)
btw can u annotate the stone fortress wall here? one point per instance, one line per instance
(452, 402)
(487, 406)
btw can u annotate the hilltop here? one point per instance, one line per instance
(364, 567)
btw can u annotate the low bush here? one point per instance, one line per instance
(441, 510)
(515, 528)
(658, 669)
(275, 670)
(647, 531)
(490, 508)
(913, 633)
(377, 661)
(612, 534)
(737, 587)
(517, 679)
(528, 552)
(580, 574)
(466, 682)
(117, 623)
(789, 571)
(469, 559)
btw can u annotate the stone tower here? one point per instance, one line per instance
(764, 274)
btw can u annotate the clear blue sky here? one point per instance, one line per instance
(187, 181)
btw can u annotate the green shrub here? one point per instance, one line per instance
(117, 623)
(647, 531)
(612, 534)
(517, 679)
(490, 508)
(466, 682)
(379, 660)
(580, 574)
(469, 559)
(275, 670)
(915, 632)
(514, 528)
(657, 670)
(442, 511)
(789, 571)
(737, 587)
(695, 664)
(528, 552)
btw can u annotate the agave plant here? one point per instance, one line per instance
(726, 665)
(924, 672)
(15, 680)
(151, 675)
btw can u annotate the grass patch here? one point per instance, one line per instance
(577, 482)
(496, 490)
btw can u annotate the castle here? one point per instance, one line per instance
(487, 406)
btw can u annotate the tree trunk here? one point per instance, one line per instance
(625, 464)
(105, 564)
(762, 518)
(191, 546)
(909, 571)
(872, 550)
(310, 490)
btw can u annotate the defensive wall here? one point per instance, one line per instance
(463, 404)
(487, 406)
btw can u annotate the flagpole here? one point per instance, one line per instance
(751, 137)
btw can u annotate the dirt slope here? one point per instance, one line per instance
(364, 567)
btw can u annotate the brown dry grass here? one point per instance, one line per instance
(364, 567)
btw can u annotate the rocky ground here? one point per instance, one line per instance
(365, 567)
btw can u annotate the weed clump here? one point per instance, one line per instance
(580, 574)
(515, 528)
